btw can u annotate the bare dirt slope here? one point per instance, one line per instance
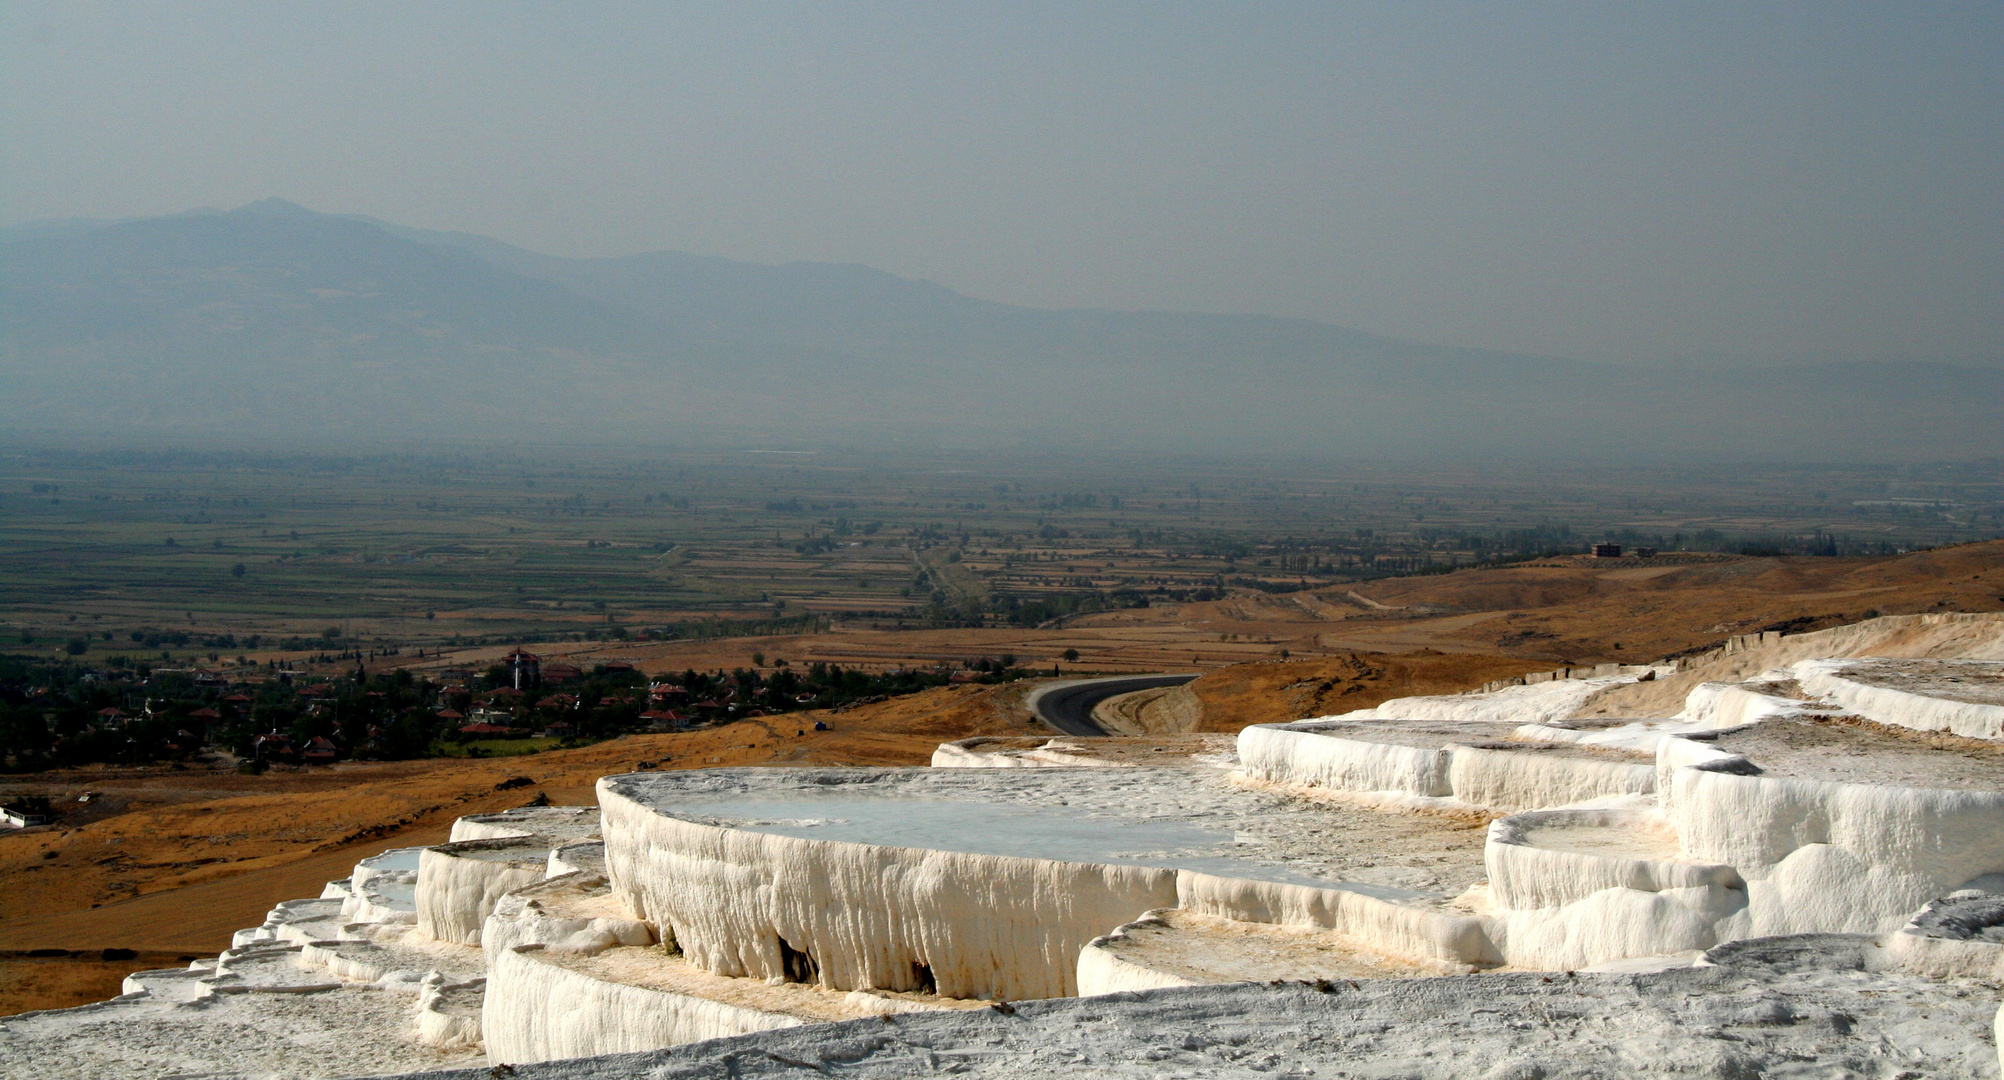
(1578, 609)
(1230, 698)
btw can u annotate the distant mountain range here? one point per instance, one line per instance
(275, 323)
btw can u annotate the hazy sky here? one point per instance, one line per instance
(1641, 182)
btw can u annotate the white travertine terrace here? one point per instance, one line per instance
(1964, 697)
(487, 857)
(460, 883)
(558, 823)
(1774, 805)
(1434, 765)
(982, 883)
(1803, 1006)
(1068, 751)
(347, 983)
(1959, 935)
(1186, 947)
(1822, 835)
(570, 975)
(1551, 858)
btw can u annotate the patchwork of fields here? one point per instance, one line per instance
(171, 558)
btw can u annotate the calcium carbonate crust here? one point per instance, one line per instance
(1804, 1005)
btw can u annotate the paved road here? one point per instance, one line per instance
(1068, 706)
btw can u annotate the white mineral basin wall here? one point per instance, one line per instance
(1810, 857)
(542, 1012)
(486, 827)
(1522, 875)
(1947, 635)
(1415, 933)
(1102, 971)
(1539, 703)
(957, 755)
(1569, 909)
(456, 892)
(1478, 777)
(1272, 753)
(1725, 705)
(1828, 679)
(1323, 758)
(986, 926)
(1834, 857)
(1526, 779)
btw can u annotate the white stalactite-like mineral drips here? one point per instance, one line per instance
(855, 916)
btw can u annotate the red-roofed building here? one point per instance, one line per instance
(485, 729)
(319, 751)
(664, 720)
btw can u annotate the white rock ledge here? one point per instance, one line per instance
(948, 877)
(1961, 696)
(1804, 1006)
(459, 883)
(569, 976)
(1486, 777)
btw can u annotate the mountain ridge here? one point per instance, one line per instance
(274, 321)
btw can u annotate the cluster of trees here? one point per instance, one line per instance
(79, 642)
(824, 686)
(53, 714)
(1043, 607)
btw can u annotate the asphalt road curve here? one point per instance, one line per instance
(1068, 706)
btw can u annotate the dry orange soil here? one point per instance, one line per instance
(1563, 611)
(1577, 609)
(1231, 698)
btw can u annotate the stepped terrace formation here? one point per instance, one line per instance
(1789, 851)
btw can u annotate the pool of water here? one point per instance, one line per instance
(400, 895)
(529, 850)
(400, 859)
(1035, 832)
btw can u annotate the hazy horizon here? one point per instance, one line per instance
(1703, 184)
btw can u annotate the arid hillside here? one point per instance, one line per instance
(1230, 698)
(1580, 609)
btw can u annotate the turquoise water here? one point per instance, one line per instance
(400, 859)
(400, 895)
